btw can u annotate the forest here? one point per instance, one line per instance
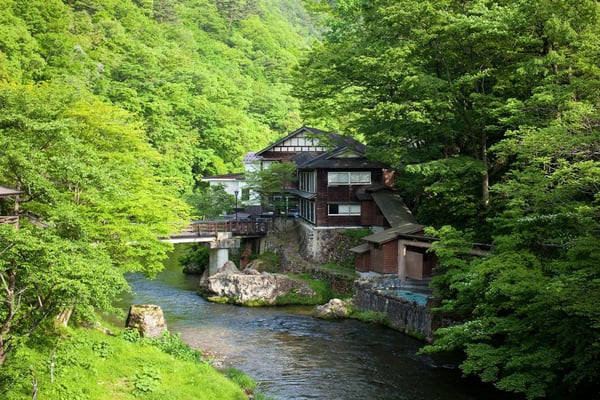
(488, 111)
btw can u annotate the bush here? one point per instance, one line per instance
(321, 288)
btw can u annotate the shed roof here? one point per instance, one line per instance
(360, 249)
(393, 208)
(393, 233)
(302, 194)
(8, 192)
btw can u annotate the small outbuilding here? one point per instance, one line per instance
(398, 245)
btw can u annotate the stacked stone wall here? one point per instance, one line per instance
(322, 246)
(402, 314)
(341, 284)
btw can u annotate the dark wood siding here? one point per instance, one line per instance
(376, 262)
(367, 212)
(371, 215)
(390, 257)
(361, 262)
(384, 258)
(342, 194)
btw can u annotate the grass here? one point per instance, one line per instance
(89, 364)
(346, 269)
(370, 316)
(322, 290)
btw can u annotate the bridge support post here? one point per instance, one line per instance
(219, 251)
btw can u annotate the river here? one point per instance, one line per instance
(295, 356)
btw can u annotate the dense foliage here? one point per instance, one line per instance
(110, 110)
(489, 111)
(205, 77)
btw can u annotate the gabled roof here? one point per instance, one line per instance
(7, 192)
(321, 138)
(338, 158)
(313, 131)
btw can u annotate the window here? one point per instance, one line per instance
(307, 210)
(360, 177)
(349, 178)
(307, 182)
(343, 209)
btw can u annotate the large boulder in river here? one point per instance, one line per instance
(335, 308)
(251, 287)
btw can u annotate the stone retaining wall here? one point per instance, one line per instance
(324, 245)
(339, 283)
(404, 315)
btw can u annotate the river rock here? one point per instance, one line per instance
(228, 268)
(148, 319)
(251, 287)
(194, 269)
(335, 308)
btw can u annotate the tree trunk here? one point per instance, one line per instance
(485, 178)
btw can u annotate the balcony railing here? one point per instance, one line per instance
(236, 227)
(9, 219)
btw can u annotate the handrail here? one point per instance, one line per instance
(10, 220)
(213, 227)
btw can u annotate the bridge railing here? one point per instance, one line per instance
(10, 219)
(236, 227)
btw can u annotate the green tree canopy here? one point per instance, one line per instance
(92, 206)
(270, 185)
(488, 110)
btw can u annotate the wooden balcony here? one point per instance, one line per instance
(10, 220)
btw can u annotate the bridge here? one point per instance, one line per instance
(209, 230)
(220, 236)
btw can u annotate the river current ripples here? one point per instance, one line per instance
(295, 356)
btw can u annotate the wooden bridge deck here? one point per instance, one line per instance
(211, 229)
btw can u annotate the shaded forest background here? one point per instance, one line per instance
(207, 80)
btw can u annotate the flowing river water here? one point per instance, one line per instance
(295, 356)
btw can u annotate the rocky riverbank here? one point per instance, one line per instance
(251, 287)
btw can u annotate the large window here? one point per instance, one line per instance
(307, 182)
(343, 209)
(307, 210)
(348, 178)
